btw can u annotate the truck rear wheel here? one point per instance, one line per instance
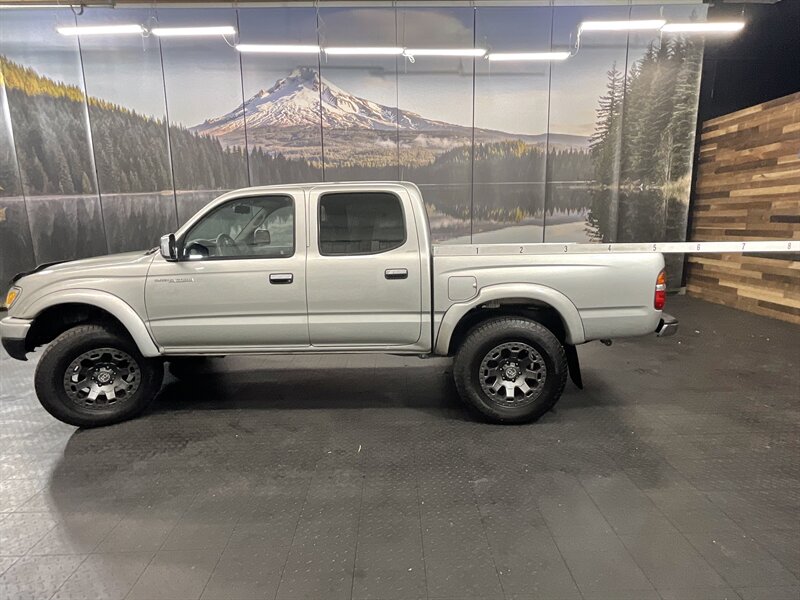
(513, 370)
(90, 376)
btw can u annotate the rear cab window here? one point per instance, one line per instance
(360, 223)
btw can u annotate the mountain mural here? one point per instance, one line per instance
(286, 118)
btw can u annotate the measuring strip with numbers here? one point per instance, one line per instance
(628, 248)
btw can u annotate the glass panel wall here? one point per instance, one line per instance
(47, 109)
(586, 110)
(203, 88)
(125, 86)
(359, 95)
(511, 114)
(435, 100)
(281, 96)
(16, 246)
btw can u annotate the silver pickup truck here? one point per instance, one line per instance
(324, 267)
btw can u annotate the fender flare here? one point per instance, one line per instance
(573, 324)
(113, 305)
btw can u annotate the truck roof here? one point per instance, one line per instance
(328, 184)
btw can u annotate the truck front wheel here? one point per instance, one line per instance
(90, 376)
(513, 370)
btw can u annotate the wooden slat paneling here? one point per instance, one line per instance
(748, 188)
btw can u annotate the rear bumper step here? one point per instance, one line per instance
(667, 326)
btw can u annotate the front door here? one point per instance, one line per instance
(241, 280)
(364, 274)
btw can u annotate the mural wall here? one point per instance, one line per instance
(109, 141)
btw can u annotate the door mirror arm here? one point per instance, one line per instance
(169, 247)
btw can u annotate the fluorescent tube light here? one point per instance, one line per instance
(101, 29)
(26, 5)
(444, 51)
(278, 48)
(718, 27)
(364, 51)
(193, 31)
(520, 56)
(622, 25)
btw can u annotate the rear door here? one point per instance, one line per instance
(364, 279)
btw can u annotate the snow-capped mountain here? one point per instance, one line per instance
(294, 101)
(286, 117)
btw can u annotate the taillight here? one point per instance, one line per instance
(661, 291)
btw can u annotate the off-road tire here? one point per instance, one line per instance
(488, 335)
(59, 354)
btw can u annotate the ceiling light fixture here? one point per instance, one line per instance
(26, 5)
(522, 56)
(278, 48)
(101, 29)
(718, 27)
(622, 25)
(444, 51)
(364, 51)
(193, 31)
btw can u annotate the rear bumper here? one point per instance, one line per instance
(12, 334)
(667, 326)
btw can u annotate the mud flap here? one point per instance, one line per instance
(574, 365)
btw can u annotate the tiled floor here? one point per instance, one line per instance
(675, 474)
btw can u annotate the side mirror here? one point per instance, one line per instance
(168, 247)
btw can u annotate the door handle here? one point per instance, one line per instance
(396, 273)
(281, 278)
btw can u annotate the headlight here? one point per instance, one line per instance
(12, 295)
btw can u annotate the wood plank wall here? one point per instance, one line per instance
(748, 188)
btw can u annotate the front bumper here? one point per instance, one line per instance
(13, 332)
(667, 326)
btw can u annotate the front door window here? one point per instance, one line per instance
(257, 227)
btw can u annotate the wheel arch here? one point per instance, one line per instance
(59, 311)
(540, 303)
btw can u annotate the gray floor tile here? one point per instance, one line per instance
(175, 574)
(104, 577)
(6, 562)
(691, 511)
(770, 593)
(667, 558)
(31, 578)
(626, 508)
(741, 561)
(246, 574)
(529, 562)
(389, 557)
(458, 558)
(19, 532)
(138, 533)
(570, 512)
(76, 534)
(190, 535)
(702, 593)
(600, 564)
(783, 544)
(15, 492)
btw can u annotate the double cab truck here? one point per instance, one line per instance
(318, 268)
